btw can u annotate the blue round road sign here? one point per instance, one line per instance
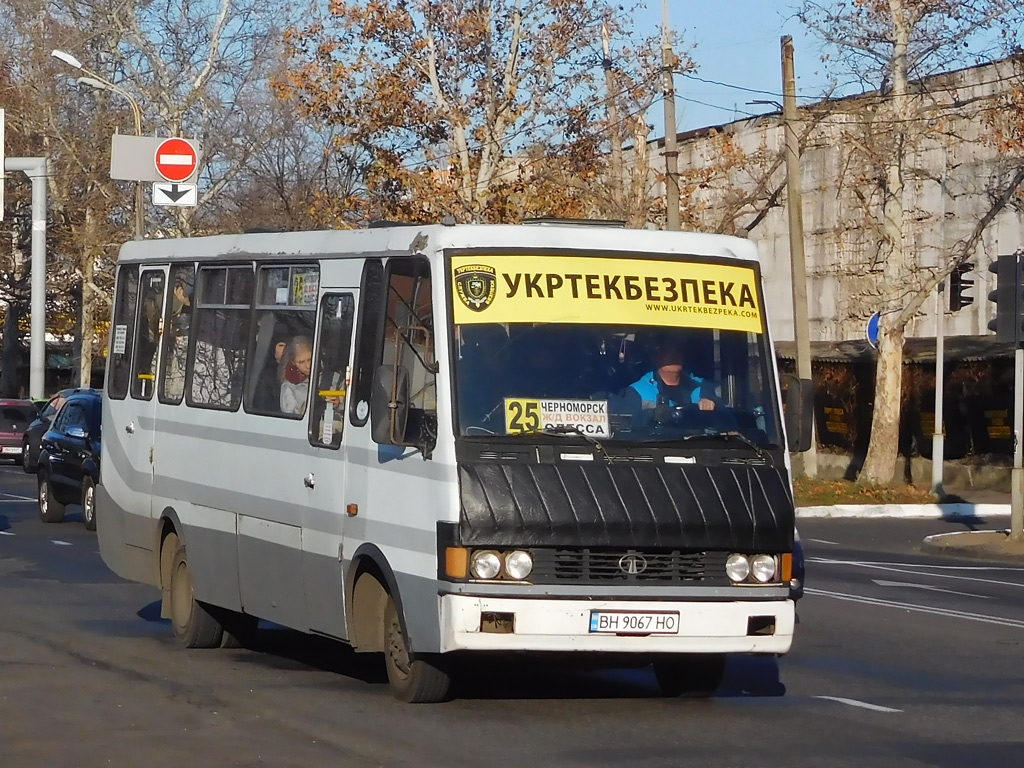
(873, 330)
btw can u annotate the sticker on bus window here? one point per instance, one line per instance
(120, 339)
(524, 415)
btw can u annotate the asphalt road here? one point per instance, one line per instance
(901, 659)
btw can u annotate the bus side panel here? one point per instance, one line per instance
(130, 535)
(404, 496)
(131, 563)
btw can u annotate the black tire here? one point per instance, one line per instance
(50, 510)
(694, 676)
(193, 625)
(239, 628)
(27, 465)
(414, 680)
(89, 504)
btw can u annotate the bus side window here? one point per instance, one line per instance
(122, 332)
(217, 358)
(147, 340)
(409, 345)
(177, 324)
(285, 317)
(331, 373)
(372, 295)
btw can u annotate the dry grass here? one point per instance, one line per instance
(812, 492)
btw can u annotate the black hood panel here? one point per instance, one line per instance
(745, 508)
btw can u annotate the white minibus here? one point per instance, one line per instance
(430, 441)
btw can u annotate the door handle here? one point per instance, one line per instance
(130, 428)
(309, 481)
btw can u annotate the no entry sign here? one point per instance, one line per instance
(175, 159)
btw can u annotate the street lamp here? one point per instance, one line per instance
(94, 80)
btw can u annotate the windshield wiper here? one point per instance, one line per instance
(570, 429)
(738, 436)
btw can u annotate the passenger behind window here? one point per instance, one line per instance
(177, 339)
(296, 364)
(266, 395)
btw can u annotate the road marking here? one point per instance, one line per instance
(929, 587)
(916, 570)
(7, 533)
(861, 704)
(824, 541)
(948, 612)
(15, 499)
(60, 543)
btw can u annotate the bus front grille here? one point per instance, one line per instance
(582, 566)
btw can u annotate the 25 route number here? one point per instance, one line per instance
(521, 415)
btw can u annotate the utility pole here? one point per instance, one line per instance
(668, 63)
(801, 325)
(614, 129)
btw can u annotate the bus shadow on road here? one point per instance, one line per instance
(494, 676)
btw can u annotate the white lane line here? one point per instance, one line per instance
(824, 541)
(861, 704)
(7, 533)
(928, 587)
(60, 543)
(916, 570)
(949, 612)
(12, 499)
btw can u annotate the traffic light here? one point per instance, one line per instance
(1008, 298)
(959, 286)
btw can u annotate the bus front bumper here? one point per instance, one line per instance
(615, 626)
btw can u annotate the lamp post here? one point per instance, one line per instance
(94, 80)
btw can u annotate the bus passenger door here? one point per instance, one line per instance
(140, 405)
(324, 527)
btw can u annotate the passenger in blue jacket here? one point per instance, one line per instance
(669, 386)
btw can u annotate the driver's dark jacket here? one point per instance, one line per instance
(651, 391)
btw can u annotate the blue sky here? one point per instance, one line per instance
(737, 43)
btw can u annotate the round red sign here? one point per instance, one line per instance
(175, 159)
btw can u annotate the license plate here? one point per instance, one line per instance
(635, 622)
(12, 449)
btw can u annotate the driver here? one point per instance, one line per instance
(668, 385)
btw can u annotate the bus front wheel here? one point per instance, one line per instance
(193, 625)
(416, 680)
(693, 675)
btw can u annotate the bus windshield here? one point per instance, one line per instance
(628, 383)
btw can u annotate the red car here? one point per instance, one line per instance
(15, 416)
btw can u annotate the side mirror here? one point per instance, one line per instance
(76, 431)
(389, 405)
(799, 412)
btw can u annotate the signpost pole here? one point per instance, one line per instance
(938, 446)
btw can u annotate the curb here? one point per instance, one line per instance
(920, 511)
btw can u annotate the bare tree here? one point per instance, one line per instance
(480, 110)
(892, 46)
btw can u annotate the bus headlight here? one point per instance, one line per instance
(737, 567)
(518, 564)
(485, 564)
(762, 568)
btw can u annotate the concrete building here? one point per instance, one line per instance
(957, 169)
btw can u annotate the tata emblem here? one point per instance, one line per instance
(476, 285)
(632, 564)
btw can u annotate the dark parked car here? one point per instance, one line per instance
(69, 459)
(15, 416)
(33, 436)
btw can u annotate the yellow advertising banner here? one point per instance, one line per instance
(580, 289)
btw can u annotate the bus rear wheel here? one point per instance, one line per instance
(414, 680)
(693, 675)
(193, 625)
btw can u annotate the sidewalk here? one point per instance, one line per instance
(963, 504)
